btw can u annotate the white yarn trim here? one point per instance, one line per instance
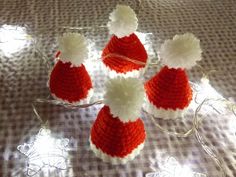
(73, 48)
(134, 73)
(123, 21)
(82, 101)
(113, 159)
(183, 51)
(124, 96)
(162, 113)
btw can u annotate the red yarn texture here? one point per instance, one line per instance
(169, 89)
(114, 137)
(69, 83)
(130, 47)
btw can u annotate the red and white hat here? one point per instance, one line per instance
(124, 55)
(69, 80)
(118, 135)
(169, 93)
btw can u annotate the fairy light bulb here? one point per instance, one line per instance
(204, 91)
(46, 153)
(45, 144)
(204, 80)
(207, 90)
(13, 39)
(172, 168)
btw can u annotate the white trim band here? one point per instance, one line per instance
(113, 159)
(162, 113)
(82, 101)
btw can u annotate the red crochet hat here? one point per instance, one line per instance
(124, 54)
(118, 135)
(168, 93)
(115, 141)
(69, 80)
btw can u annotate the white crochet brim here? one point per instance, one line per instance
(113, 73)
(113, 159)
(82, 101)
(162, 113)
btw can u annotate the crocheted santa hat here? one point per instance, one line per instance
(118, 135)
(124, 55)
(69, 80)
(168, 93)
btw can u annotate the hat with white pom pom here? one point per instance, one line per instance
(118, 135)
(69, 80)
(124, 55)
(168, 93)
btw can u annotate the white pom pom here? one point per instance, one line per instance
(73, 48)
(123, 21)
(181, 52)
(124, 96)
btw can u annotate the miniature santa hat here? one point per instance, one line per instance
(168, 93)
(69, 80)
(118, 135)
(124, 55)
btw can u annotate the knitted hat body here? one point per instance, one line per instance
(115, 141)
(70, 84)
(168, 93)
(115, 53)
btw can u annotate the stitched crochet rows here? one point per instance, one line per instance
(130, 47)
(114, 137)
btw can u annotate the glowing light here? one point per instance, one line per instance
(92, 64)
(172, 168)
(93, 53)
(204, 90)
(13, 39)
(232, 127)
(45, 154)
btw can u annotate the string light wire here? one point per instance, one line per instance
(194, 130)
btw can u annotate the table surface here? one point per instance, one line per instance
(27, 25)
